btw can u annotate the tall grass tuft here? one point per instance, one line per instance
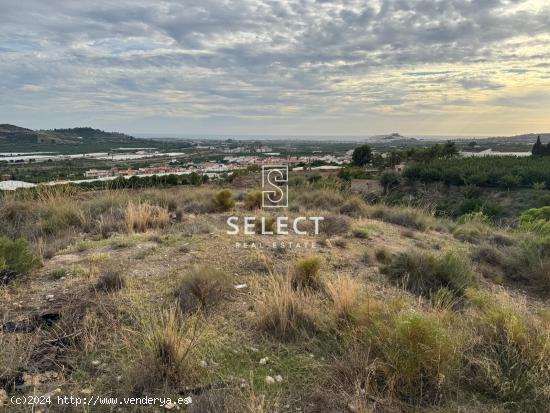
(307, 273)
(142, 216)
(285, 312)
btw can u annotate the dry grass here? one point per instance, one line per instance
(142, 216)
(285, 312)
(344, 293)
(169, 343)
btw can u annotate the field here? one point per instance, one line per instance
(143, 293)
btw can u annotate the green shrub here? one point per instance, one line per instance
(406, 217)
(424, 273)
(223, 200)
(412, 355)
(253, 200)
(334, 225)
(508, 359)
(202, 288)
(389, 180)
(536, 219)
(354, 207)
(17, 256)
(306, 273)
(470, 232)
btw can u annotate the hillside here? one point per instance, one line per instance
(72, 136)
(394, 311)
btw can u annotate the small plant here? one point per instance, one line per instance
(58, 274)
(306, 273)
(223, 200)
(110, 281)
(202, 288)
(253, 200)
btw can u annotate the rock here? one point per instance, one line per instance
(264, 360)
(269, 380)
(278, 378)
(95, 363)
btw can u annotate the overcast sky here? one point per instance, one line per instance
(313, 67)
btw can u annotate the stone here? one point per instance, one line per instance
(269, 380)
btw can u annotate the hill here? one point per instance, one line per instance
(72, 136)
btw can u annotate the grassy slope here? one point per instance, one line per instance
(104, 344)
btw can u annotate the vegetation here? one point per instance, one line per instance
(362, 155)
(397, 309)
(498, 172)
(425, 274)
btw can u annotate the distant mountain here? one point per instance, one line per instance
(73, 136)
(391, 138)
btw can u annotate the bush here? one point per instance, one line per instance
(17, 256)
(354, 207)
(306, 273)
(111, 281)
(406, 217)
(405, 355)
(334, 225)
(253, 200)
(202, 288)
(389, 180)
(536, 219)
(424, 274)
(223, 200)
(471, 232)
(508, 358)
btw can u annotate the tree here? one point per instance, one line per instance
(538, 148)
(362, 155)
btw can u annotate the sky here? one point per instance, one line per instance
(302, 67)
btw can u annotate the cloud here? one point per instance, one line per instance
(288, 61)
